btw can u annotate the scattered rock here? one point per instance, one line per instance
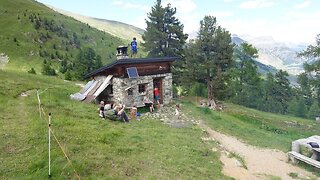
(214, 149)
(24, 94)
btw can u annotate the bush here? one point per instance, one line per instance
(32, 71)
(314, 111)
(47, 69)
(68, 76)
(198, 89)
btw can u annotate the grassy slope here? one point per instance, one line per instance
(256, 127)
(24, 54)
(118, 29)
(97, 148)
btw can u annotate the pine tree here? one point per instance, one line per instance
(47, 69)
(277, 93)
(312, 69)
(246, 81)
(212, 57)
(87, 60)
(164, 33)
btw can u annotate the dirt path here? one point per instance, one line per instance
(261, 163)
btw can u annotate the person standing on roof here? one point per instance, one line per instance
(134, 47)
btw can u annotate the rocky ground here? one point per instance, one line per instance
(249, 162)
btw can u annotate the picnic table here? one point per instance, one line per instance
(295, 154)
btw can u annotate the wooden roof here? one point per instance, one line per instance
(132, 62)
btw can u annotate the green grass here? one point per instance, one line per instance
(98, 149)
(15, 24)
(293, 175)
(239, 158)
(255, 127)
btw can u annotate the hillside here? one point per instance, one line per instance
(31, 33)
(118, 29)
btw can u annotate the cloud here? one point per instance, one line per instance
(256, 4)
(191, 22)
(302, 5)
(129, 5)
(140, 22)
(221, 14)
(298, 27)
(117, 3)
(183, 6)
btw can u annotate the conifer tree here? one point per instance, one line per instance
(312, 69)
(246, 81)
(212, 57)
(164, 33)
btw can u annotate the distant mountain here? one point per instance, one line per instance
(116, 28)
(279, 55)
(262, 68)
(237, 40)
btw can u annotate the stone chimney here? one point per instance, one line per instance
(122, 52)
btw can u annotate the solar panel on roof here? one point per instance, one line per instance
(132, 72)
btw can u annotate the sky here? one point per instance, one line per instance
(295, 21)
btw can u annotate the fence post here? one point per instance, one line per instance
(49, 126)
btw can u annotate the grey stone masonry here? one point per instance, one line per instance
(126, 90)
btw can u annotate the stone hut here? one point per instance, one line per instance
(129, 81)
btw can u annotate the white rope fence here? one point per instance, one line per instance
(50, 132)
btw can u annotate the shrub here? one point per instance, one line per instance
(68, 76)
(32, 71)
(47, 69)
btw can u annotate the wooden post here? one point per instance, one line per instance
(49, 126)
(39, 103)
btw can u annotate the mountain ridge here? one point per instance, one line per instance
(277, 54)
(116, 28)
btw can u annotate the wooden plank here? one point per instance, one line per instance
(304, 158)
(105, 83)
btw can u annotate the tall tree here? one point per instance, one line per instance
(246, 81)
(312, 70)
(277, 93)
(164, 33)
(284, 91)
(87, 61)
(213, 56)
(270, 103)
(304, 89)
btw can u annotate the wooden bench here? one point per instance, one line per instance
(294, 155)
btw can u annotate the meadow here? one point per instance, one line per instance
(97, 148)
(108, 149)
